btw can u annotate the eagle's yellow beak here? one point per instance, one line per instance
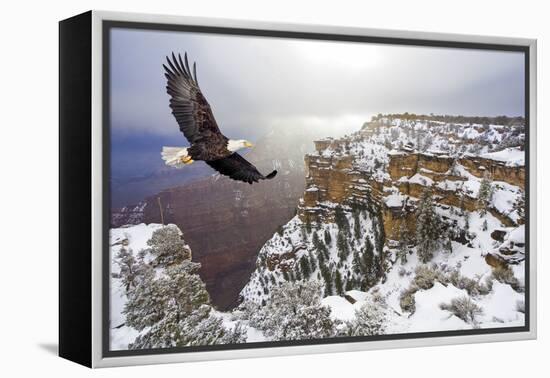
(248, 144)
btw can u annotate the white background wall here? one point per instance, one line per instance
(28, 201)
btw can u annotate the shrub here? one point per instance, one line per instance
(294, 311)
(370, 319)
(505, 275)
(463, 308)
(426, 276)
(406, 300)
(245, 310)
(465, 283)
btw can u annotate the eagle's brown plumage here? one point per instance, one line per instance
(196, 121)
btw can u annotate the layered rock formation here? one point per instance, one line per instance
(338, 177)
(375, 177)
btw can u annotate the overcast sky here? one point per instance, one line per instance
(255, 84)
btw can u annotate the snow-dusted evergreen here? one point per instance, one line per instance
(343, 255)
(166, 303)
(369, 319)
(293, 311)
(429, 228)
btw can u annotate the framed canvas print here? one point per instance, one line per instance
(235, 189)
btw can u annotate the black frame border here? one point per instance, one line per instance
(108, 25)
(75, 189)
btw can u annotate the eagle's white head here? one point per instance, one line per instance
(236, 145)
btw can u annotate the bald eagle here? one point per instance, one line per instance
(198, 125)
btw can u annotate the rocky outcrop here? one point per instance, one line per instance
(362, 194)
(497, 170)
(128, 215)
(334, 177)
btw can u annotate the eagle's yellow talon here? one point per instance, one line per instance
(186, 159)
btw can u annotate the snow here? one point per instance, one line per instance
(500, 305)
(420, 179)
(470, 133)
(395, 200)
(429, 316)
(357, 295)
(340, 307)
(504, 197)
(254, 335)
(517, 235)
(513, 157)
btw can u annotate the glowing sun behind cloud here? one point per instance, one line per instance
(350, 55)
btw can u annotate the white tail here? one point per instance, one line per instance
(175, 156)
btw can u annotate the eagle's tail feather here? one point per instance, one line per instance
(271, 175)
(175, 156)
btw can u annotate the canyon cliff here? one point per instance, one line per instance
(373, 181)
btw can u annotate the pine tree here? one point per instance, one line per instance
(340, 219)
(320, 247)
(294, 311)
(342, 244)
(485, 194)
(366, 264)
(328, 238)
(286, 276)
(461, 204)
(428, 228)
(403, 246)
(305, 266)
(448, 243)
(178, 291)
(519, 207)
(312, 262)
(308, 225)
(356, 224)
(338, 284)
(129, 268)
(327, 278)
(167, 246)
(167, 301)
(379, 233)
(356, 263)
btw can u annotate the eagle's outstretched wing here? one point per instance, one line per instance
(188, 104)
(238, 168)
